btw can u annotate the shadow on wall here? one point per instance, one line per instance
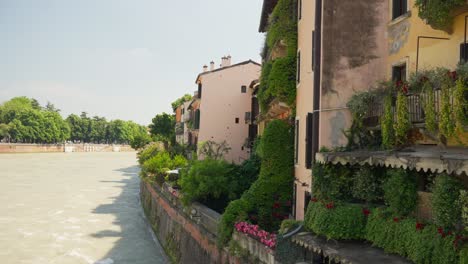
(136, 244)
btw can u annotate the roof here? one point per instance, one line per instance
(268, 6)
(227, 67)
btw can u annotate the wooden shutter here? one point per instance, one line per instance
(296, 143)
(313, 50)
(463, 52)
(199, 90)
(308, 157)
(298, 67)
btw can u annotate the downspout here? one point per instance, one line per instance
(317, 79)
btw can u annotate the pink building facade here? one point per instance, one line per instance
(226, 105)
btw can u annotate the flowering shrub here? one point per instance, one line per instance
(255, 232)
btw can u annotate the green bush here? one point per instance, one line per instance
(367, 184)
(149, 151)
(264, 94)
(332, 182)
(446, 206)
(401, 236)
(340, 222)
(464, 255)
(386, 122)
(236, 211)
(400, 191)
(438, 13)
(206, 181)
(464, 203)
(276, 178)
(269, 197)
(155, 168)
(402, 124)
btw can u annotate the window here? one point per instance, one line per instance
(464, 52)
(307, 197)
(248, 117)
(313, 50)
(298, 67)
(299, 11)
(199, 90)
(237, 120)
(296, 142)
(399, 73)
(196, 122)
(399, 8)
(294, 200)
(243, 89)
(308, 141)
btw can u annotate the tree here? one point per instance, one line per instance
(162, 127)
(51, 107)
(4, 132)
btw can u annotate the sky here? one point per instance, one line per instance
(125, 59)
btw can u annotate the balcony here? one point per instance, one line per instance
(416, 103)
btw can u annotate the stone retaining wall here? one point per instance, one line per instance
(187, 234)
(39, 148)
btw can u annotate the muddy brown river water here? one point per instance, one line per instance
(69, 208)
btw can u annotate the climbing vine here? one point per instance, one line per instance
(388, 138)
(402, 124)
(446, 126)
(460, 106)
(437, 13)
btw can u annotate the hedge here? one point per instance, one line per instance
(347, 221)
(446, 205)
(419, 242)
(400, 191)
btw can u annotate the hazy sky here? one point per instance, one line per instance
(125, 59)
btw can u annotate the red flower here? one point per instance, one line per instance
(419, 226)
(276, 205)
(330, 205)
(405, 88)
(314, 200)
(399, 83)
(452, 75)
(365, 211)
(440, 230)
(396, 220)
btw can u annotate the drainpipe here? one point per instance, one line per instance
(464, 42)
(426, 37)
(317, 78)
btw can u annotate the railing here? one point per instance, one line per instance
(416, 102)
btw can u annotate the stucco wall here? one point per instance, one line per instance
(403, 34)
(354, 58)
(222, 102)
(304, 104)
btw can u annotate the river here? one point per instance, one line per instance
(69, 208)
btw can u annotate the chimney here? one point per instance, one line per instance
(205, 68)
(212, 65)
(224, 61)
(228, 60)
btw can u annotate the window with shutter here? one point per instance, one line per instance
(399, 8)
(308, 141)
(399, 73)
(196, 123)
(299, 11)
(463, 52)
(307, 197)
(199, 90)
(294, 200)
(313, 50)
(296, 142)
(298, 67)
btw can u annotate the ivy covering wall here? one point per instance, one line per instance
(278, 78)
(438, 13)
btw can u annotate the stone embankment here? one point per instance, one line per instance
(47, 148)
